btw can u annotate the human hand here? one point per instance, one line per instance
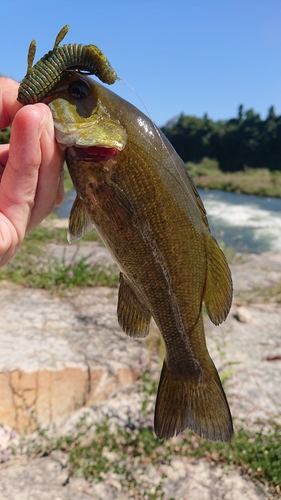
(31, 177)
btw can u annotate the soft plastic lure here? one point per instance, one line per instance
(41, 78)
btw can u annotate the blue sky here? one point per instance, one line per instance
(191, 56)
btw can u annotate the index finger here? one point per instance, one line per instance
(8, 101)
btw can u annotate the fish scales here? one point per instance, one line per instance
(135, 189)
(161, 242)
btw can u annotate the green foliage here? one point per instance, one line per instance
(206, 167)
(192, 137)
(44, 234)
(58, 276)
(68, 186)
(256, 453)
(259, 181)
(31, 267)
(237, 144)
(5, 135)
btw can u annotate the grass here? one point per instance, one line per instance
(31, 268)
(47, 233)
(99, 452)
(270, 293)
(55, 275)
(68, 186)
(256, 181)
(256, 453)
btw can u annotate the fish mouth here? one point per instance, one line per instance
(96, 154)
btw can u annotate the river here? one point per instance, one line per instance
(246, 223)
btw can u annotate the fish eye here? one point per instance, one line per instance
(78, 90)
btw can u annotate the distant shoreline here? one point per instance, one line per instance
(208, 185)
(257, 182)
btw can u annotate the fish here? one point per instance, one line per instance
(134, 188)
(136, 191)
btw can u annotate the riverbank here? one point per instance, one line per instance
(76, 333)
(258, 181)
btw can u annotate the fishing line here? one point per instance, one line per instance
(139, 98)
(157, 130)
(148, 114)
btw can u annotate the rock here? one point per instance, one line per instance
(239, 351)
(198, 479)
(243, 315)
(47, 477)
(252, 270)
(61, 355)
(58, 355)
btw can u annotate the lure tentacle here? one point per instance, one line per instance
(46, 73)
(30, 56)
(61, 35)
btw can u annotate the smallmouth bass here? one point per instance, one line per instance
(135, 189)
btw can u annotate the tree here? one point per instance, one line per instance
(235, 143)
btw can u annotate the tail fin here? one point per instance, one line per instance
(201, 406)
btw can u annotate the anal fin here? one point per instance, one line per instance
(133, 315)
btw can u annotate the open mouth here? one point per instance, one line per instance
(96, 153)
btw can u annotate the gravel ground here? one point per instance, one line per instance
(250, 338)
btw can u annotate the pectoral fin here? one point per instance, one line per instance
(79, 221)
(112, 201)
(218, 288)
(133, 316)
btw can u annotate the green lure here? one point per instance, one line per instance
(41, 78)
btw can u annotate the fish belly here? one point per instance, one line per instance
(162, 253)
